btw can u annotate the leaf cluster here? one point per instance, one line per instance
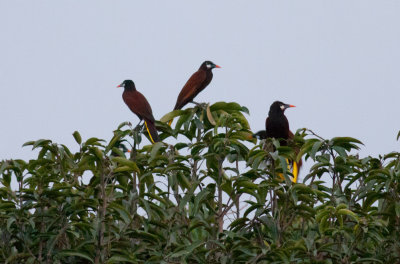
(212, 196)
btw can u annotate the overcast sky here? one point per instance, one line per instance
(337, 61)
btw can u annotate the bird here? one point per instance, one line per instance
(196, 83)
(277, 126)
(139, 105)
(262, 134)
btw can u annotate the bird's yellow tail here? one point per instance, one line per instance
(151, 129)
(295, 171)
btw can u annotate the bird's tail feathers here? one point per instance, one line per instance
(151, 129)
(295, 171)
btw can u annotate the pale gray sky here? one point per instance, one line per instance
(60, 62)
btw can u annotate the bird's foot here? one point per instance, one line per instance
(201, 105)
(138, 127)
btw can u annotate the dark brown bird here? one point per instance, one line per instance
(196, 83)
(141, 107)
(277, 126)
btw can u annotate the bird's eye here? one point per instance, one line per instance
(282, 107)
(209, 65)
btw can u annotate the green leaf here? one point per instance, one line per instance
(315, 148)
(74, 253)
(147, 236)
(346, 142)
(245, 110)
(4, 205)
(77, 137)
(246, 184)
(228, 107)
(184, 201)
(37, 143)
(308, 145)
(397, 209)
(198, 123)
(4, 165)
(183, 119)
(124, 161)
(118, 152)
(29, 143)
(348, 213)
(154, 150)
(116, 138)
(6, 181)
(188, 250)
(341, 151)
(124, 124)
(324, 223)
(93, 141)
(124, 214)
(200, 197)
(10, 221)
(321, 215)
(238, 223)
(183, 180)
(97, 152)
(369, 260)
(120, 259)
(172, 115)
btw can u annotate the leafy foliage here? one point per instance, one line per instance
(214, 196)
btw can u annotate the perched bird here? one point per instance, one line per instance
(196, 83)
(277, 126)
(141, 107)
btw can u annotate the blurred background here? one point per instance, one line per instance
(60, 62)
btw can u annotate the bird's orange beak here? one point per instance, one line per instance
(288, 106)
(217, 66)
(119, 86)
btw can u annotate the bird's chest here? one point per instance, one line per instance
(278, 128)
(132, 100)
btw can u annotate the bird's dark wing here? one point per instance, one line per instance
(139, 105)
(267, 127)
(192, 87)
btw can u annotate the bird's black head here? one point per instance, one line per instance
(279, 107)
(262, 134)
(208, 65)
(128, 85)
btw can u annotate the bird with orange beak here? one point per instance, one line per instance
(196, 83)
(139, 105)
(277, 126)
